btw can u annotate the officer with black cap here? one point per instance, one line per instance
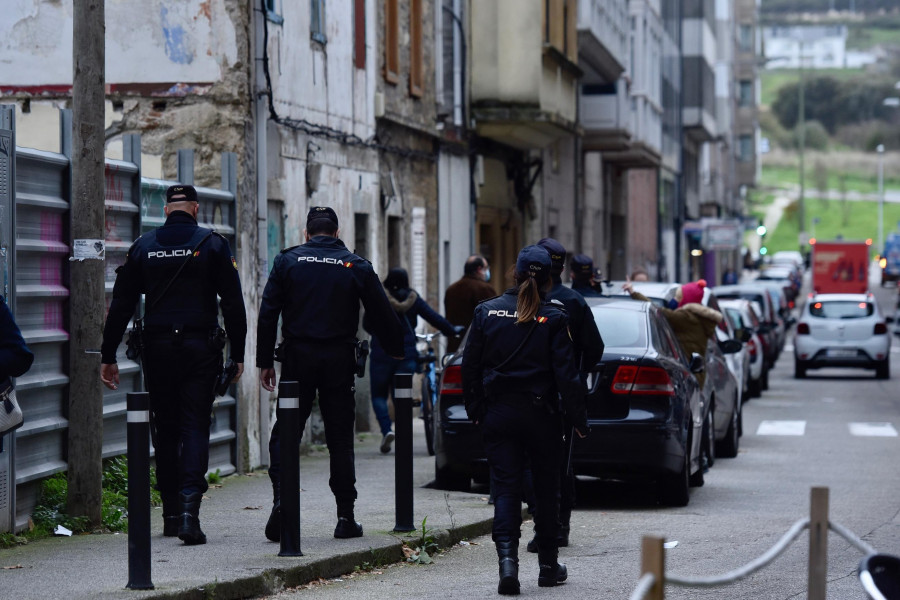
(181, 268)
(588, 351)
(317, 288)
(582, 267)
(521, 383)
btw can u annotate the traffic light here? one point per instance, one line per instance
(763, 251)
(761, 231)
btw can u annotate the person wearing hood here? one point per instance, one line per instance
(409, 306)
(693, 323)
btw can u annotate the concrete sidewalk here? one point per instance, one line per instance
(238, 561)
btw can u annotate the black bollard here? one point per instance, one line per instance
(289, 428)
(138, 419)
(403, 452)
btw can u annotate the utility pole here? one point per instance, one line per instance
(87, 273)
(880, 150)
(801, 123)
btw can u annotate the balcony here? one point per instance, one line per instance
(607, 118)
(524, 71)
(603, 38)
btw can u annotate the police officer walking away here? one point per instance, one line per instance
(588, 351)
(316, 288)
(518, 364)
(181, 268)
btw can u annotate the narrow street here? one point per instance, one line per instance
(837, 428)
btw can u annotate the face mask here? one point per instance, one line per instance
(673, 304)
(487, 275)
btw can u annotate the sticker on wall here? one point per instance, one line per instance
(89, 250)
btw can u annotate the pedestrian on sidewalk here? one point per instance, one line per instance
(464, 295)
(317, 288)
(409, 306)
(521, 384)
(181, 268)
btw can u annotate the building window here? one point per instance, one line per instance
(391, 41)
(745, 93)
(745, 38)
(745, 148)
(359, 34)
(561, 27)
(272, 12)
(416, 68)
(317, 21)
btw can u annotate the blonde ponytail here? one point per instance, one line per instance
(528, 301)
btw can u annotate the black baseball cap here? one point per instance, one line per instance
(321, 212)
(533, 261)
(188, 191)
(557, 253)
(582, 265)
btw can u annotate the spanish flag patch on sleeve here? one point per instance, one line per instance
(542, 319)
(234, 263)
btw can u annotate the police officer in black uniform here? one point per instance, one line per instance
(317, 287)
(582, 267)
(588, 351)
(182, 346)
(521, 382)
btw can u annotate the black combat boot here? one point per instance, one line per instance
(171, 514)
(562, 538)
(189, 529)
(552, 572)
(508, 554)
(273, 526)
(347, 528)
(532, 545)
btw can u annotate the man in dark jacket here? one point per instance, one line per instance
(462, 297)
(15, 357)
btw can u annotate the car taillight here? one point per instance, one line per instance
(751, 347)
(451, 381)
(642, 380)
(803, 329)
(880, 328)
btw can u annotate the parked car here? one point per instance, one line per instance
(745, 321)
(769, 332)
(643, 403)
(783, 277)
(738, 362)
(782, 307)
(842, 330)
(721, 391)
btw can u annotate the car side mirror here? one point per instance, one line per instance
(697, 363)
(744, 335)
(730, 346)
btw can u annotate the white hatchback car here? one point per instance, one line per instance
(842, 330)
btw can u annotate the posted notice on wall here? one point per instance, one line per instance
(89, 250)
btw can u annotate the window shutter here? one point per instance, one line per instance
(359, 34)
(416, 66)
(391, 42)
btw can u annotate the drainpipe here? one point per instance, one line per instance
(261, 116)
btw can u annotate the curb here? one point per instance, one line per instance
(275, 580)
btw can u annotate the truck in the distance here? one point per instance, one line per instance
(840, 267)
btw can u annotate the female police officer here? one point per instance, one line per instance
(518, 363)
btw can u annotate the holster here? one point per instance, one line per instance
(134, 343)
(362, 354)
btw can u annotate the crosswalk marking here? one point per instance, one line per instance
(872, 429)
(781, 428)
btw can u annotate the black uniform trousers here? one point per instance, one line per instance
(329, 369)
(517, 435)
(181, 378)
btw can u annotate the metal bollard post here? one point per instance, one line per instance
(289, 427)
(403, 456)
(818, 543)
(653, 561)
(138, 426)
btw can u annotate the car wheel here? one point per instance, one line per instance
(883, 370)
(728, 447)
(755, 387)
(446, 479)
(799, 369)
(674, 489)
(764, 384)
(709, 436)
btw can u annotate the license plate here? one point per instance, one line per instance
(841, 353)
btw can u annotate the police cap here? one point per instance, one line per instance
(533, 261)
(582, 266)
(321, 212)
(557, 253)
(181, 193)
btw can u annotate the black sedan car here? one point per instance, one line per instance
(642, 401)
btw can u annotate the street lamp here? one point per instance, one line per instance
(880, 150)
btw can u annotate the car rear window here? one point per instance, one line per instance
(841, 309)
(621, 328)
